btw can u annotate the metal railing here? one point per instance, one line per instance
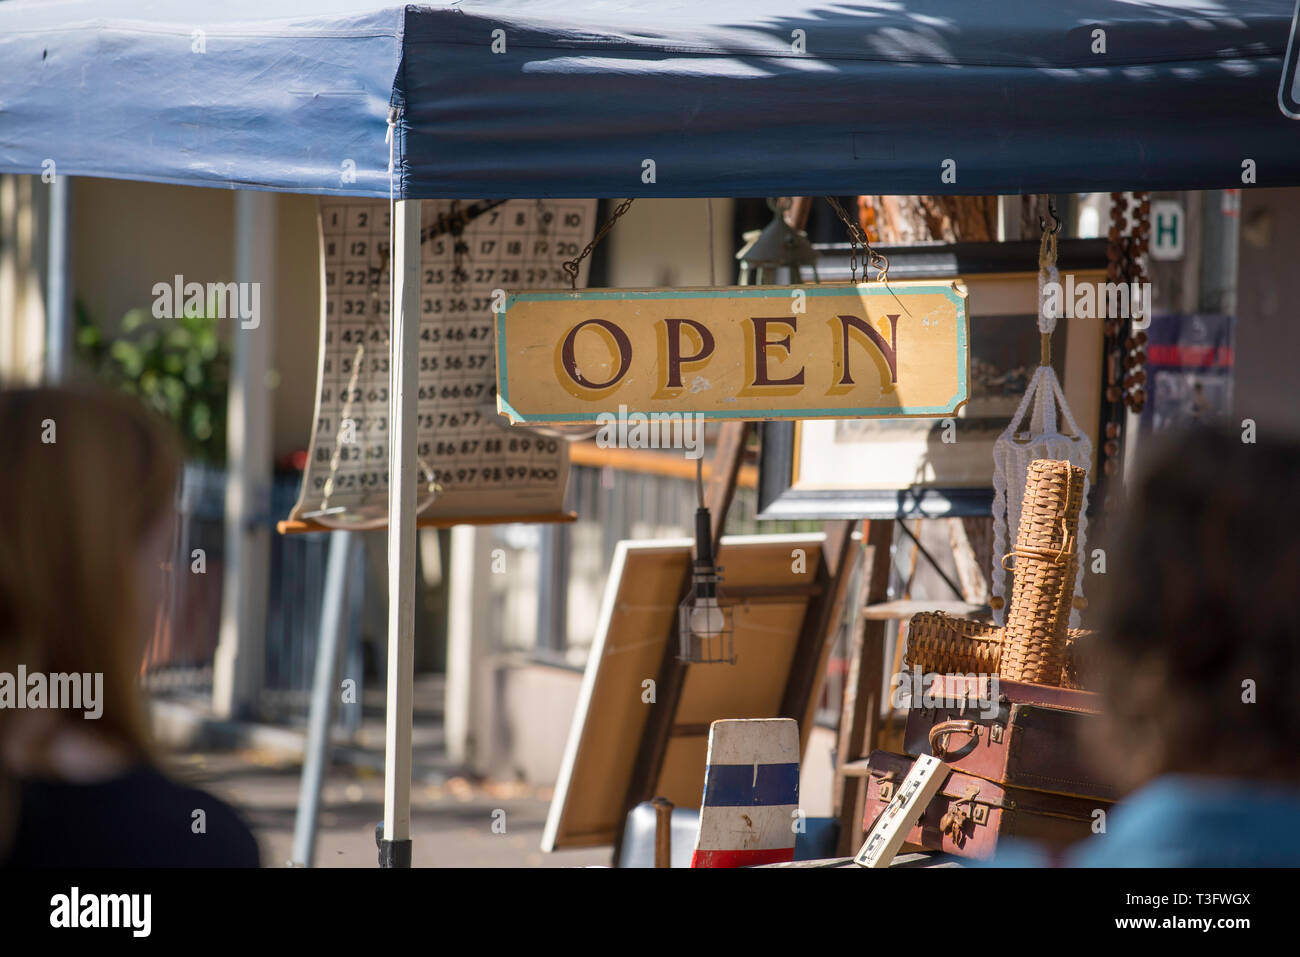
(179, 657)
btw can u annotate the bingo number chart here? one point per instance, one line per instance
(471, 464)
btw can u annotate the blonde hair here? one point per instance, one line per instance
(85, 476)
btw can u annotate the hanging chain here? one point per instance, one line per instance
(571, 266)
(858, 238)
(1135, 358)
(853, 238)
(1124, 375)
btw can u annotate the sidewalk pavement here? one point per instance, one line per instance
(455, 821)
(451, 823)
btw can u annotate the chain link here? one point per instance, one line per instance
(858, 238)
(571, 266)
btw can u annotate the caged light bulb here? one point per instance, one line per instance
(704, 624)
(706, 618)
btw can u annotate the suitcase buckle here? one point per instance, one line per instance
(954, 820)
(887, 785)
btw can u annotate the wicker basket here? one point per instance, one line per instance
(943, 645)
(1046, 564)
(938, 644)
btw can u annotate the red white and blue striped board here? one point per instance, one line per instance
(751, 793)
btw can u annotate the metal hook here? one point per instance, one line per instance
(1056, 220)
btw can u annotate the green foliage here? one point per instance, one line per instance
(178, 367)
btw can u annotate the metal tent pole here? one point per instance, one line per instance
(316, 752)
(395, 843)
(238, 670)
(59, 334)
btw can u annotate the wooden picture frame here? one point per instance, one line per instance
(771, 599)
(895, 468)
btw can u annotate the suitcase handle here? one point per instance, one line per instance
(939, 735)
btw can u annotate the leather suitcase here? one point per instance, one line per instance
(970, 815)
(1032, 739)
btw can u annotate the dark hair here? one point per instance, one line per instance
(1199, 612)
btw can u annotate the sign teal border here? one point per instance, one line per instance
(741, 292)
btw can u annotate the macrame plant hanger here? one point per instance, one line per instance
(1034, 433)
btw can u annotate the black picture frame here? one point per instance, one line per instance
(778, 499)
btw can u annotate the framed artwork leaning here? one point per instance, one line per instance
(935, 468)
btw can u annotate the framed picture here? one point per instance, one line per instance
(925, 468)
(634, 625)
(1189, 371)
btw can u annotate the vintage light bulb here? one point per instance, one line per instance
(706, 617)
(704, 627)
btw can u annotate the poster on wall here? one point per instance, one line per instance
(1189, 371)
(472, 466)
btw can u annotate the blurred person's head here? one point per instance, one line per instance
(87, 486)
(1200, 614)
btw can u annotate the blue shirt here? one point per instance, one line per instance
(1186, 821)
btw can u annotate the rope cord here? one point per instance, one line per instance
(1042, 427)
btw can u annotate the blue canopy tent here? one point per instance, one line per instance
(571, 96)
(539, 98)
